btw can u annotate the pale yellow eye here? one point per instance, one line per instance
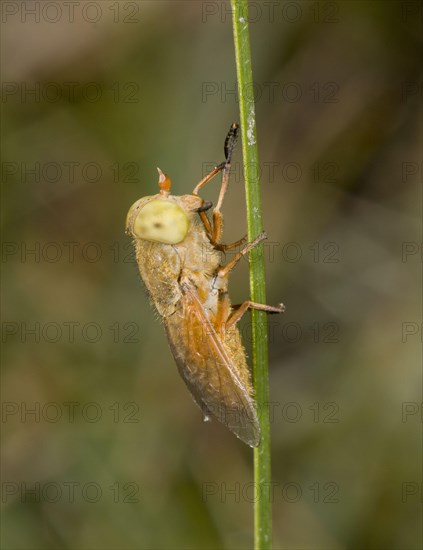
(161, 221)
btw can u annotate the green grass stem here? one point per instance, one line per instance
(262, 467)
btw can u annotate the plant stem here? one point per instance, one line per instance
(262, 470)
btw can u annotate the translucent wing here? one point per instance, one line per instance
(207, 365)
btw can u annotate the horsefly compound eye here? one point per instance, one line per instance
(161, 221)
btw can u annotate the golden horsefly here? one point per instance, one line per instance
(178, 251)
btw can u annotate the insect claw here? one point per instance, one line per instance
(230, 141)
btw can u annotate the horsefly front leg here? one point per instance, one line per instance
(229, 147)
(202, 210)
(215, 231)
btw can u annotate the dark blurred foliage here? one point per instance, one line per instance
(338, 92)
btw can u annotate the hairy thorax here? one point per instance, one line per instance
(165, 267)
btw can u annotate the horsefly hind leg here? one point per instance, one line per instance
(240, 309)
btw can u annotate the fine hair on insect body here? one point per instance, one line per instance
(178, 252)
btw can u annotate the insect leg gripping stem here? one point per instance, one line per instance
(215, 230)
(224, 271)
(229, 147)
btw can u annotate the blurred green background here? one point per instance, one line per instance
(115, 454)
